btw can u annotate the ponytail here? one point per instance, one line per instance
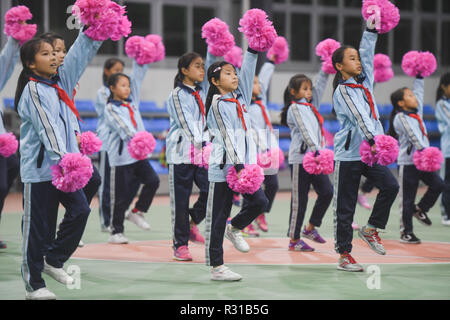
(295, 84)
(396, 96)
(27, 53)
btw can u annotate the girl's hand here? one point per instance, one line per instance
(373, 149)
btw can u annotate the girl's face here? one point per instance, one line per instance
(195, 72)
(60, 49)
(45, 62)
(121, 90)
(116, 68)
(305, 91)
(351, 64)
(256, 87)
(228, 81)
(409, 101)
(446, 90)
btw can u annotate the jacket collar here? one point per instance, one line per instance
(118, 103)
(49, 82)
(185, 87)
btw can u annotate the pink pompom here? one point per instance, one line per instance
(258, 30)
(323, 163)
(428, 159)
(141, 145)
(234, 56)
(132, 46)
(105, 19)
(15, 25)
(207, 149)
(196, 156)
(329, 138)
(327, 66)
(160, 53)
(326, 48)
(8, 144)
(416, 63)
(384, 13)
(272, 158)
(382, 68)
(279, 50)
(248, 180)
(72, 173)
(218, 37)
(386, 151)
(89, 143)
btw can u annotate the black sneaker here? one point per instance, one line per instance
(422, 217)
(409, 238)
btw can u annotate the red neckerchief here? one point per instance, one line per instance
(130, 109)
(317, 114)
(239, 110)
(418, 118)
(200, 103)
(62, 94)
(263, 110)
(368, 95)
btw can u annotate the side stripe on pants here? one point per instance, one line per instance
(208, 221)
(400, 195)
(294, 212)
(172, 198)
(112, 189)
(335, 200)
(26, 233)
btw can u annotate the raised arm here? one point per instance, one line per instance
(320, 83)
(418, 90)
(8, 59)
(247, 74)
(137, 78)
(367, 52)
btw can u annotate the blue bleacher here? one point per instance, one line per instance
(159, 146)
(326, 108)
(156, 125)
(85, 105)
(8, 103)
(427, 109)
(331, 126)
(150, 107)
(432, 126)
(274, 106)
(385, 110)
(159, 169)
(284, 144)
(89, 124)
(281, 129)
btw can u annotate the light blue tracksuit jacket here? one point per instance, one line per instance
(410, 136)
(353, 110)
(305, 128)
(48, 128)
(443, 118)
(232, 145)
(120, 128)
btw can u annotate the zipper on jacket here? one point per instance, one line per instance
(120, 147)
(40, 157)
(347, 141)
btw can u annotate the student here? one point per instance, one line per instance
(187, 129)
(44, 101)
(443, 118)
(229, 123)
(358, 115)
(123, 121)
(406, 123)
(306, 124)
(9, 167)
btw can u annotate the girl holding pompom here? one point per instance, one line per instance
(124, 123)
(301, 97)
(187, 136)
(44, 101)
(110, 67)
(9, 166)
(356, 110)
(407, 125)
(443, 118)
(232, 164)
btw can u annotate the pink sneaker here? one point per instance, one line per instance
(362, 200)
(355, 226)
(261, 222)
(249, 231)
(195, 235)
(182, 254)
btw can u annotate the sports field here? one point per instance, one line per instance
(144, 269)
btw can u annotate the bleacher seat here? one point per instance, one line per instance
(281, 129)
(325, 108)
(284, 144)
(159, 169)
(159, 145)
(156, 125)
(432, 126)
(435, 143)
(151, 107)
(8, 103)
(89, 124)
(428, 110)
(274, 106)
(385, 110)
(331, 126)
(84, 106)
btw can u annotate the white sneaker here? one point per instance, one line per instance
(81, 244)
(40, 294)
(118, 238)
(235, 236)
(445, 222)
(137, 219)
(223, 273)
(106, 229)
(58, 274)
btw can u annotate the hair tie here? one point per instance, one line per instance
(217, 69)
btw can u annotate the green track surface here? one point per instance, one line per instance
(104, 280)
